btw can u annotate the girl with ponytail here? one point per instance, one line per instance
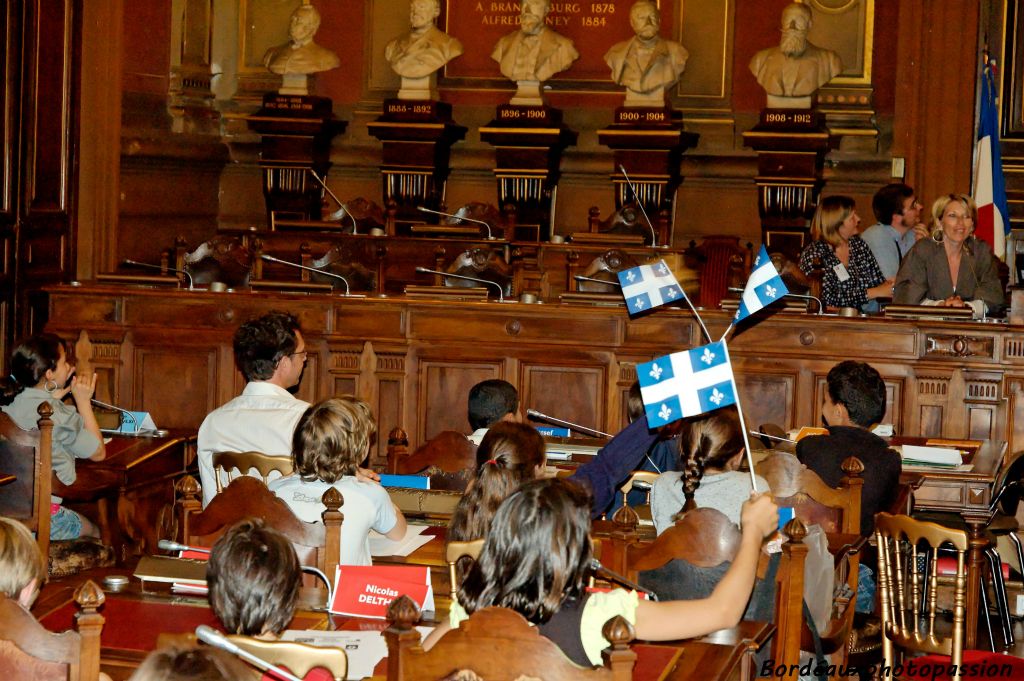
(710, 453)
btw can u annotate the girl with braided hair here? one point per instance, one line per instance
(710, 453)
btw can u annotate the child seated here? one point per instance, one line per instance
(536, 558)
(331, 439)
(22, 569)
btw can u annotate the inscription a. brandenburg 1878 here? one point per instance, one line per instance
(594, 26)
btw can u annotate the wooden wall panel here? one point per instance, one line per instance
(572, 393)
(443, 388)
(156, 365)
(768, 397)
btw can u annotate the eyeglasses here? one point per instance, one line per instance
(300, 353)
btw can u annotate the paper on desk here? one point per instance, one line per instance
(413, 539)
(365, 649)
(936, 456)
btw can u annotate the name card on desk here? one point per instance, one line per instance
(134, 422)
(554, 431)
(367, 590)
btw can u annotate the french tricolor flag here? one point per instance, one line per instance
(989, 185)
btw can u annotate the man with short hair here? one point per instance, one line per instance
(898, 213)
(491, 401)
(271, 354)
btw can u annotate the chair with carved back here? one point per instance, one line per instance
(450, 451)
(454, 552)
(29, 651)
(26, 454)
(358, 262)
(316, 544)
(837, 512)
(298, 658)
(723, 263)
(908, 630)
(605, 267)
(243, 462)
(496, 644)
(224, 259)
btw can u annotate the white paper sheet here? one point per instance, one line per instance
(413, 539)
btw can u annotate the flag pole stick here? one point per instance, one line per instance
(696, 314)
(727, 330)
(739, 411)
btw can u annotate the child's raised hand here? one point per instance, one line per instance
(82, 388)
(760, 514)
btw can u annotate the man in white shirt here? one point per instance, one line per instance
(271, 354)
(489, 402)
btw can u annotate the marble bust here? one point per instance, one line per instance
(533, 54)
(793, 71)
(419, 54)
(300, 56)
(646, 64)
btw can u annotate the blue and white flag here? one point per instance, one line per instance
(649, 286)
(763, 287)
(686, 384)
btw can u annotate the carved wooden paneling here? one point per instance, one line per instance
(9, 166)
(768, 397)
(443, 386)
(572, 393)
(155, 367)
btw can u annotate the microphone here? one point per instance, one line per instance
(211, 636)
(821, 308)
(271, 258)
(580, 277)
(136, 263)
(501, 294)
(123, 412)
(319, 573)
(538, 416)
(344, 206)
(596, 567)
(486, 225)
(632, 188)
(168, 545)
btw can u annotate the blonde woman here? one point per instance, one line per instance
(851, 277)
(953, 268)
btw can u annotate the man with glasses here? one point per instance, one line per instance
(271, 354)
(899, 226)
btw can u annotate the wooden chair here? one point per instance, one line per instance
(243, 462)
(29, 651)
(605, 266)
(723, 263)
(26, 454)
(837, 511)
(496, 644)
(315, 543)
(449, 450)
(480, 263)
(903, 626)
(454, 552)
(299, 658)
(225, 259)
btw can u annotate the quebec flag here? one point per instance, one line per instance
(649, 286)
(686, 384)
(763, 287)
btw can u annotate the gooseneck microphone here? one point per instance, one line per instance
(612, 576)
(168, 545)
(271, 258)
(486, 225)
(501, 294)
(535, 415)
(124, 413)
(344, 206)
(632, 188)
(821, 309)
(580, 277)
(136, 263)
(211, 636)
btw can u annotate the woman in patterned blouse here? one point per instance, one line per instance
(851, 276)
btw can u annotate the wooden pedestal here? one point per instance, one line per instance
(417, 138)
(528, 143)
(296, 138)
(791, 145)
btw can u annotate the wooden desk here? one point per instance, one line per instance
(137, 479)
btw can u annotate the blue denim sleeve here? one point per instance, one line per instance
(614, 462)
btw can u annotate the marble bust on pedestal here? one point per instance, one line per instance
(647, 63)
(533, 54)
(419, 54)
(300, 56)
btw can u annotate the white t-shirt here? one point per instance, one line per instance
(366, 507)
(261, 419)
